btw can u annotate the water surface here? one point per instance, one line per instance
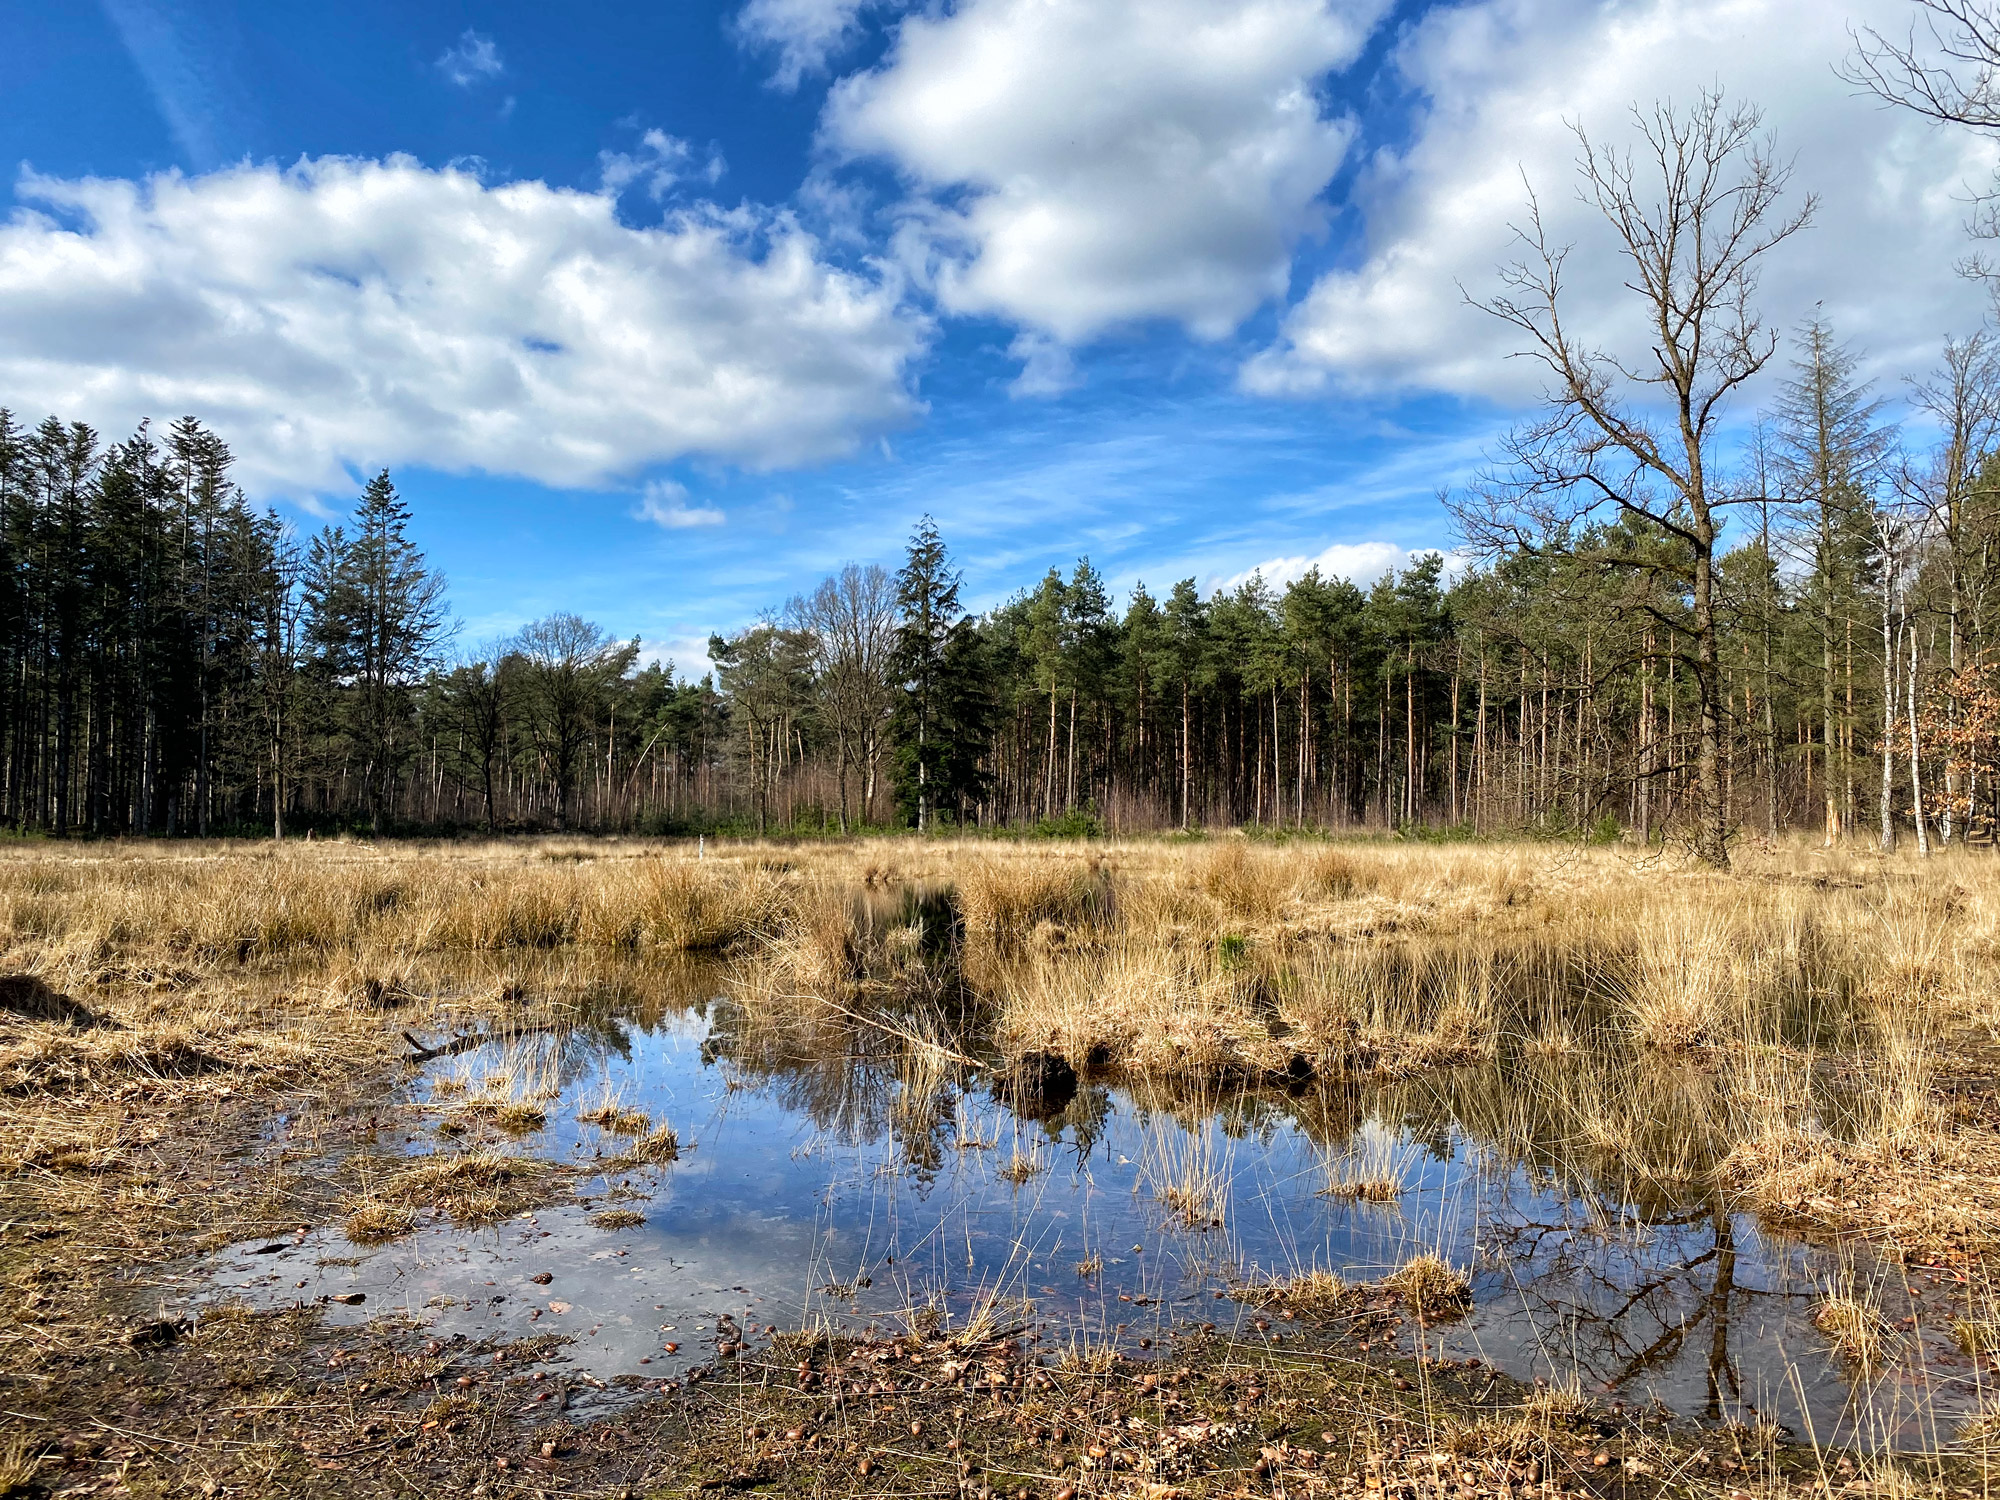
(829, 1178)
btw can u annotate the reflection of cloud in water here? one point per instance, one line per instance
(1565, 1178)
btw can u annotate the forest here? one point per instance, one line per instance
(178, 661)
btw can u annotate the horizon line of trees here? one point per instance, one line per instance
(179, 663)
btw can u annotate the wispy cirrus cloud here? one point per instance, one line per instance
(473, 58)
(665, 503)
(186, 71)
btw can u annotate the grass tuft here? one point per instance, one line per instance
(1557, 1405)
(1980, 1336)
(1023, 1166)
(472, 1189)
(1433, 1286)
(19, 1468)
(656, 1148)
(1853, 1329)
(374, 1222)
(614, 1119)
(1314, 1293)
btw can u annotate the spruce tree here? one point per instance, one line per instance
(377, 618)
(1831, 445)
(927, 599)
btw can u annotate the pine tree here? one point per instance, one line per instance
(965, 720)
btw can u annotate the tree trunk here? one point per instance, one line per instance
(1712, 833)
(1916, 755)
(1888, 712)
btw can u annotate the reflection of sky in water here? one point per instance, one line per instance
(823, 1188)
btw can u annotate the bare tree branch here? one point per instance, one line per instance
(1695, 208)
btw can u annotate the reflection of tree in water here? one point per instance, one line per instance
(1637, 1268)
(859, 1075)
(1081, 1124)
(1595, 1115)
(1616, 1309)
(577, 1012)
(554, 1058)
(823, 1072)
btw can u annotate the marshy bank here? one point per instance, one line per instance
(1714, 1156)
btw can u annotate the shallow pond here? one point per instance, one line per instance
(828, 1177)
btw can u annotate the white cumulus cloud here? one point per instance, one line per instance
(1501, 82)
(349, 313)
(1358, 562)
(684, 653)
(1078, 164)
(665, 503)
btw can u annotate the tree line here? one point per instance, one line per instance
(179, 662)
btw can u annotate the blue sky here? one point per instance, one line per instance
(658, 312)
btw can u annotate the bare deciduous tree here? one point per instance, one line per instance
(471, 705)
(1628, 434)
(1955, 77)
(567, 669)
(851, 619)
(1946, 67)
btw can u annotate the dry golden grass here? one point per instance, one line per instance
(1678, 1023)
(515, 1116)
(1370, 1171)
(1365, 1189)
(101, 908)
(615, 1119)
(1796, 1033)
(1853, 1327)
(371, 1222)
(1022, 1167)
(656, 1147)
(1557, 1404)
(1313, 1293)
(1010, 898)
(18, 1467)
(1981, 1336)
(471, 1189)
(1434, 1288)
(1979, 1435)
